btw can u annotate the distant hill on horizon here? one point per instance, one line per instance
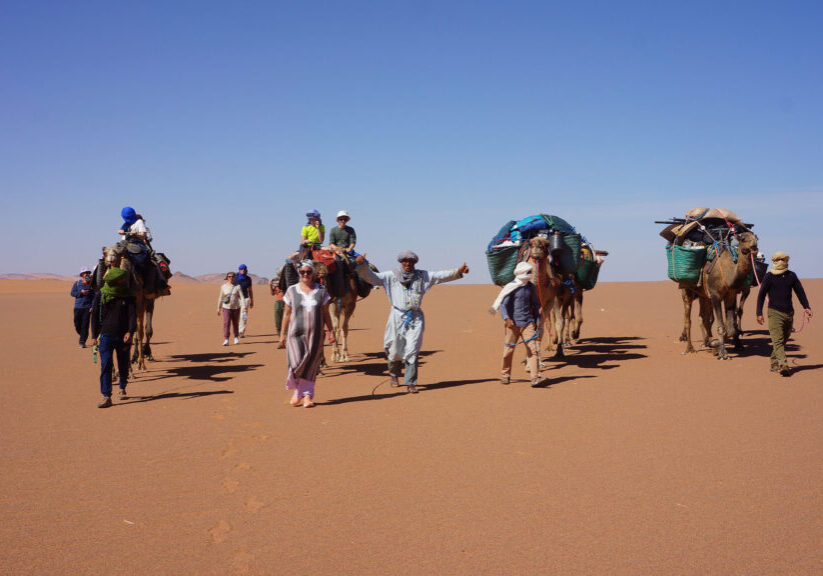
(177, 277)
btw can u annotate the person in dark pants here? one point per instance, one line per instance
(83, 297)
(113, 322)
(778, 284)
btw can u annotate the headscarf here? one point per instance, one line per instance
(128, 215)
(114, 285)
(780, 263)
(406, 278)
(522, 276)
(241, 274)
(306, 264)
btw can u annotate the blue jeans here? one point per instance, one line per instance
(107, 346)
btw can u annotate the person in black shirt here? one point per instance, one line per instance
(243, 280)
(114, 321)
(778, 284)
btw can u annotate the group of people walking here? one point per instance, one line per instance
(301, 312)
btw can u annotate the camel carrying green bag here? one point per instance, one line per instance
(685, 263)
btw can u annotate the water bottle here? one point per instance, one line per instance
(94, 354)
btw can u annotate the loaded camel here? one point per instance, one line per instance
(721, 282)
(553, 291)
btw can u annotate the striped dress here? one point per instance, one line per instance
(304, 344)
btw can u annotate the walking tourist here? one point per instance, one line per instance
(306, 312)
(83, 300)
(229, 303)
(243, 280)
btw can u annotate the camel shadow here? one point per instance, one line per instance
(167, 395)
(762, 347)
(209, 373)
(603, 353)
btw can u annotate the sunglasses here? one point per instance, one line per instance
(306, 272)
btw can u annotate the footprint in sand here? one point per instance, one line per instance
(241, 563)
(253, 505)
(229, 451)
(220, 532)
(230, 485)
(243, 466)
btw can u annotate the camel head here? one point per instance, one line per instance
(539, 247)
(115, 256)
(747, 242)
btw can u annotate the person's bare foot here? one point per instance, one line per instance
(295, 400)
(307, 402)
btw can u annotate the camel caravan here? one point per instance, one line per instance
(565, 265)
(713, 257)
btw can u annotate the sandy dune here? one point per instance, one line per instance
(634, 460)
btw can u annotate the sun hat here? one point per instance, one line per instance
(84, 270)
(343, 214)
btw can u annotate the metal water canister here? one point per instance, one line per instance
(556, 243)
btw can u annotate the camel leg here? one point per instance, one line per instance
(717, 305)
(686, 335)
(730, 303)
(577, 315)
(138, 344)
(334, 311)
(348, 311)
(148, 332)
(557, 310)
(744, 294)
(706, 319)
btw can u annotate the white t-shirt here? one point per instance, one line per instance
(140, 227)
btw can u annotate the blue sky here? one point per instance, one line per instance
(432, 123)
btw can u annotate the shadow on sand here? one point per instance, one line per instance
(167, 395)
(601, 353)
(401, 391)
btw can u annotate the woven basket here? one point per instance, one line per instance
(569, 256)
(685, 264)
(587, 273)
(501, 264)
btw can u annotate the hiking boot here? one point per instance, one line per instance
(105, 403)
(785, 371)
(505, 380)
(123, 395)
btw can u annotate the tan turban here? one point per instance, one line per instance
(780, 263)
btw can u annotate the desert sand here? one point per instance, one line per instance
(634, 459)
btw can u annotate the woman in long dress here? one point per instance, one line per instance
(306, 312)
